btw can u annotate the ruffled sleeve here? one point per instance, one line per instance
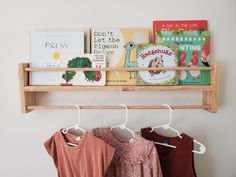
(155, 167)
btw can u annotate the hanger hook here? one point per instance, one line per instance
(170, 113)
(79, 113)
(126, 113)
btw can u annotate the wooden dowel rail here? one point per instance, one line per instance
(120, 69)
(121, 107)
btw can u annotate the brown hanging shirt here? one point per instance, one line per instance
(175, 162)
(90, 158)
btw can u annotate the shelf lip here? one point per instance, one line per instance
(117, 88)
(120, 107)
(120, 69)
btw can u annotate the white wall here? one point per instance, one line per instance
(22, 135)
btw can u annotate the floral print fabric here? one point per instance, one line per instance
(138, 158)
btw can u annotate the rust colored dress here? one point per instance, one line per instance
(90, 158)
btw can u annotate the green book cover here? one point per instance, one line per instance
(194, 51)
(152, 55)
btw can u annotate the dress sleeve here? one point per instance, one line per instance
(155, 163)
(50, 146)
(108, 154)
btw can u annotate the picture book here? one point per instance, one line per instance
(194, 51)
(153, 55)
(46, 47)
(119, 46)
(179, 25)
(86, 31)
(81, 78)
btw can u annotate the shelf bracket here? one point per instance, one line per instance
(211, 97)
(27, 98)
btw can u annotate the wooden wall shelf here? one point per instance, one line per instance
(209, 92)
(115, 88)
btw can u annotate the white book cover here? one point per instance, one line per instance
(46, 47)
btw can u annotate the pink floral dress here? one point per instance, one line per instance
(136, 159)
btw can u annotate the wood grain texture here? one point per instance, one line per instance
(209, 92)
(116, 88)
(119, 69)
(215, 83)
(27, 98)
(121, 107)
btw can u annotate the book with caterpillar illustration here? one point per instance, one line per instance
(194, 51)
(119, 46)
(152, 55)
(83, 78)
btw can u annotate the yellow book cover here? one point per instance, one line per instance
(119, 46)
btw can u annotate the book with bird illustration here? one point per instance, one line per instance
(194, 51)
(47, 44)
(119, 47)
(153, 55)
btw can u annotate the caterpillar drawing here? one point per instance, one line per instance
(81, 62)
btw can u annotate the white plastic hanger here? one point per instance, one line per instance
(76, 126)
(167, 126)
(123, 126)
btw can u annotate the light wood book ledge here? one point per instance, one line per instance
(28, 93)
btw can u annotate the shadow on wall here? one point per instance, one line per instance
(205, 161)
